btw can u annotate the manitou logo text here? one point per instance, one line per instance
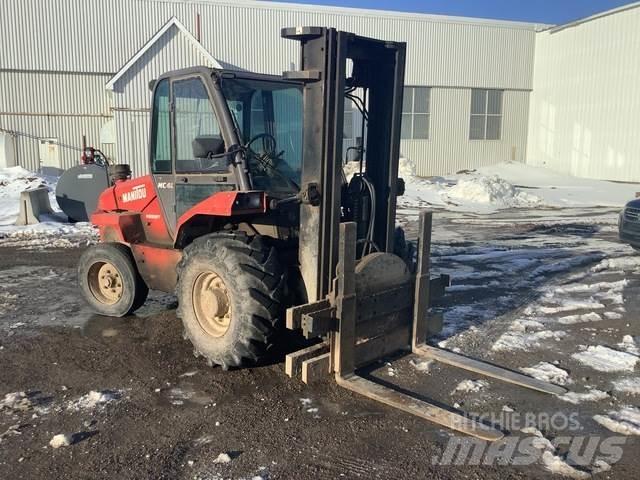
(138, 193)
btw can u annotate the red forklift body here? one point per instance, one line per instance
(130, 212)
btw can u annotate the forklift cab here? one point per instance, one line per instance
(216, 130)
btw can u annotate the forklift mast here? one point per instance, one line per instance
(377, 67)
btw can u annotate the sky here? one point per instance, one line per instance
(536, 11)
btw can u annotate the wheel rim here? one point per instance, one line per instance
(105, 283)
(212, 304)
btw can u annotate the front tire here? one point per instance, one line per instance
(230, 293)
(109, 280)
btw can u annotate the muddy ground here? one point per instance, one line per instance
(165, 414)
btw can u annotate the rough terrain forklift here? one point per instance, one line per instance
(248, 216)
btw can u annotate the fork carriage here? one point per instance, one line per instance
(377, 308)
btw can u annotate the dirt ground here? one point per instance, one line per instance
(163, 413)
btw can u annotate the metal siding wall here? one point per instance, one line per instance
(133, 135)
(45, 35)
(68, 131)
(42, 35)
(586, 102)
(53, 92)
(171, 52)
(54, 105)
(132, 94)
(449, 149)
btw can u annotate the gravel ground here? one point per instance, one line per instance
(158, 412)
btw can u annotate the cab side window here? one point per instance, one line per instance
(160, 131)
(198, 140)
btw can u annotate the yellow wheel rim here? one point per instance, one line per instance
(105, 283)
(211, 304)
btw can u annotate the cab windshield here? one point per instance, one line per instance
(268, 119)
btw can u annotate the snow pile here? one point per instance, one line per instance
(507, 185)
(50, 233)
(406, 169)
(548, 372)
(559, 190)
(92, 400)
(14, 180)
(625, 421)
(605, 359)
(60, 440)
(492, 190)
(222, 458)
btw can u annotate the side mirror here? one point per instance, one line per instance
(206, 146)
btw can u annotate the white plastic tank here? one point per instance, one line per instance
(7, 150)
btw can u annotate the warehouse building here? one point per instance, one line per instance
(477, 92)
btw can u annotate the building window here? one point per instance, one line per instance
(416, 113)
(486, 114)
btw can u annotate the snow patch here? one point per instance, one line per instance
(625, 421)
(557, 465)
(421, 365)
(564, 306)
(17, 401)
(552, 462)
(620, 263)
(515, 340)
(592, 395)
(627, 385)
(468, 386)
(92, 400)
(629, 345)
(585, 317)
(605, 359)
(548, 372)
(591, 287)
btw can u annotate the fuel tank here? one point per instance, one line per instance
(78, 189)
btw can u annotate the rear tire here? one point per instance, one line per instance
(230, 293)
(109, 280)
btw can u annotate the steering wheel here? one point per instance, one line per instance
(268, 157)
(268, 144)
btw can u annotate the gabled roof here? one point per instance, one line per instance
(173, 22)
